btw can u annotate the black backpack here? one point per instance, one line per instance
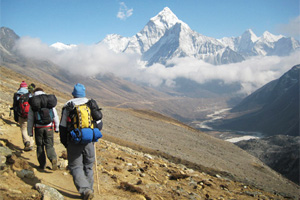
(42, 106)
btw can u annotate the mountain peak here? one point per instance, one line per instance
(267, 36)
(61, 46)
(165, 18)
(250, 35)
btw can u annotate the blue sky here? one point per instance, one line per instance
(89, 21)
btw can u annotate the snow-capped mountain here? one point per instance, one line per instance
(61, 46)
(165, 37)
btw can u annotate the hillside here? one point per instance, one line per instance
(280, 152)
(272, 109)
(205, 157)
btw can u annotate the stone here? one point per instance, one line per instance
(24, 173)
(5, 151)
(48, 192)
(148, 156)
(62, 164)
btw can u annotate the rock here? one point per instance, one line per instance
(2, 160)
(62, 164)
(48, 192)
(218, 176)
(2, 143)
(24, 173)
(148, 156)
(5, 151)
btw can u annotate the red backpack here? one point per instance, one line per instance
(24, 105)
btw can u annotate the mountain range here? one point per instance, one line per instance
(165, 37)
(109, 89)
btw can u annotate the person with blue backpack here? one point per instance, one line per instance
(42, 116)
(80, 125)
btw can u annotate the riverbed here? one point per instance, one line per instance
(227, 135)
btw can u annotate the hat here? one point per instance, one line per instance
(31, 87)
(23, 84)
(79, 90)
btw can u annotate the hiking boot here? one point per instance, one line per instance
(54, 164)
(27, 146)
(88, 195)
(42, 167)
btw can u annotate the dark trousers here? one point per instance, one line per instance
(81, 158)
(44, 142)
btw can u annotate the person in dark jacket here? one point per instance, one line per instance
(44, 135)
(81, 157)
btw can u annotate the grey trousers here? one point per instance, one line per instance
(81, 158)
(44, 141)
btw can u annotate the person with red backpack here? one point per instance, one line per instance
(21, 109)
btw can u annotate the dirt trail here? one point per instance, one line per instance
(60, 179)
(55, 179)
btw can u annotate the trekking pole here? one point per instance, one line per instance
(96, 163)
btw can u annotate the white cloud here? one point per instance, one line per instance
(98, 59)
(292, 28)
(124, 12)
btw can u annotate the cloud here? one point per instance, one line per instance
(99, 59)
(292, 28)
(251, 74)
(82, 59)
(124, 12)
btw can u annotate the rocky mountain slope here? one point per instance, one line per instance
(272, 110)
(225, 171)
(280, 152)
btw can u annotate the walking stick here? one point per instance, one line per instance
(95, 149)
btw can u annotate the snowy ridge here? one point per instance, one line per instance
(165, 37)
(62, 47)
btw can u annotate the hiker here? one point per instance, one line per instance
(21, 109)
(43, 118)
(31, 88)
(80, 147)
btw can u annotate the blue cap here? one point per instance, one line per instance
(79, 90)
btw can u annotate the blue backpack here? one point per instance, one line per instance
(82, 123)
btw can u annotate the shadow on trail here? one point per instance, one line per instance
(9, 122)
(18, 150)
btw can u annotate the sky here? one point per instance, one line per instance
(41, 23)
(89, 21)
